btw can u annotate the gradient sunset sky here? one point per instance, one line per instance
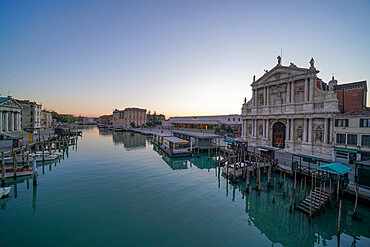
(176, 57)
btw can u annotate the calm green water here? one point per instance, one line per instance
(118, 190)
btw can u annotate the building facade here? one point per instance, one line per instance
(46, 119)
(31, 115)
(106, 119)
(10, 116)
(129, 116)
(352, 96)
(352, 136)
(205, 122)
(291, 108)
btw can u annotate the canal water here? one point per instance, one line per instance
(117, 189)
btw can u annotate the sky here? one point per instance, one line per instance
(179, 58)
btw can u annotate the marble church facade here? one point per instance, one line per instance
(291, 108)
(10, 115)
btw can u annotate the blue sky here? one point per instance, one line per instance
(175, 57)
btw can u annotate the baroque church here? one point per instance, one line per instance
(293, 109)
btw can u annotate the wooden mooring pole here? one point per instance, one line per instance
(336, 203)
(291, 197)
(34, 171)
(3, 169)
(273, 198)
(284, 186)
(15, 165)
(355, 209)
(339, 217)
(247, 183)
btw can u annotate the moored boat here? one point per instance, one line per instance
(4, 191)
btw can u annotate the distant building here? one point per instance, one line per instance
(10, 115)
(106, 119)
(46, 119)
(352, 136)
(206, 122)
(82, 120)
(130, 115)
(31, 115)
(351, 96)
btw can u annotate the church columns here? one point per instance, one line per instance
(268, 95)
(11, 121)
(306, 89)
(264, 96)
(255, 127)
(326, 125)
(6, 121)
(291, 129)
(310, 130)
(292, 93)
(255, 97)
(264, 128)
(288, 96)
(305, 129)
(331, 130)
(267, 128)
(312, 85)
(287, 129)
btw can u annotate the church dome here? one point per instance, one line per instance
(333, 81)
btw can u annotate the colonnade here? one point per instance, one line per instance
(291, 126)
(309, 84)
(10, 121)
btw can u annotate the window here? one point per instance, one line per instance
(365, 140)
(341, 138)
(228, 119)
(341, 122)
(234, 119)
(352, 139)
(239, 119)
(365, 122)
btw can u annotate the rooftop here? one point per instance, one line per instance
(175, 139)
(359, 84)
(363, 112)
(200, 135)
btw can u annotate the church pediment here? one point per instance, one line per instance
(11, 103)
(280, 72)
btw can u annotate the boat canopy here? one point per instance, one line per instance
(334, 168)
(268, 148)
(229, 140)
(345, 150)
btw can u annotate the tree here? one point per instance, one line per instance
(132, 124)
(223, 127)
(218, 131)
(229, 129)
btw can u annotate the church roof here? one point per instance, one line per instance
(363, 112)
(358, 84)
(3, 99)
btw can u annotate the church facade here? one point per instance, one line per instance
(293, 109)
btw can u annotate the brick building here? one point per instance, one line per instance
(106, 119)
(351, 96)
(130, 115)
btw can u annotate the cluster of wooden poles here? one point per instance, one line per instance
(25, 151)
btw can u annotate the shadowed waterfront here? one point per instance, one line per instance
(105, 195)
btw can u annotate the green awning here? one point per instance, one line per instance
(13, 138)
(334, 168)
(346, 150)
(269, 148)
(229, 140)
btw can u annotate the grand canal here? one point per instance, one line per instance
(119, 190)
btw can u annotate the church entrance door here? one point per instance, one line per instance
(278, 135)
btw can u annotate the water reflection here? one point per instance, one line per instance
(182, 163)
(15, 182)
(281, 226)
(129, 140)
(275, 220)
